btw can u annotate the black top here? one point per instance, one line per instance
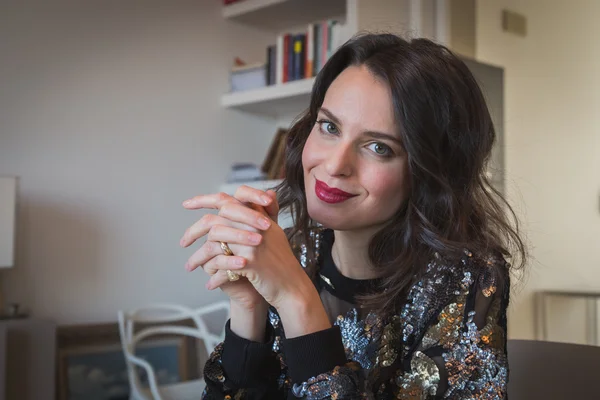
(448, 341)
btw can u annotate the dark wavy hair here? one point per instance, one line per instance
(448, 135)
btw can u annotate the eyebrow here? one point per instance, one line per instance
(373, 134)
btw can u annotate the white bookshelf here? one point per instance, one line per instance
(273, 101)
(278, 15)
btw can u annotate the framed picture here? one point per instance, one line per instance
(274, 159)
(91, 364)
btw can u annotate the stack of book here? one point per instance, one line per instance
(296, 56)
(247, 77)
(245, 172)
(302, 55)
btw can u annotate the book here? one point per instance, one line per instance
(330, 37)
(324, 42)
(279, 60)
(243, 172)
(318, 44)
(288, 68)
(271, 65)
(248, 77)
(298, 56)
(310, 51)
(287, 58)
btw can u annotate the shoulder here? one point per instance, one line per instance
(487, 272)
(451, 282)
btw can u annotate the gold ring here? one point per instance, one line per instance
(232, 276)
(226, 250)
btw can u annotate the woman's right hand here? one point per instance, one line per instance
(248, 308)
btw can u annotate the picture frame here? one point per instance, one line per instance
(91, 364)
(274, 158)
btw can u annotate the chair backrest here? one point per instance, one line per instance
(552, 371)
(161, 319)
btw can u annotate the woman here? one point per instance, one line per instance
(393, 281)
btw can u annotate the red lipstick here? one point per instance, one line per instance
(330, 195)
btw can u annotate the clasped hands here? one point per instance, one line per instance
(247, 222)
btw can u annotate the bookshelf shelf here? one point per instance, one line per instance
(273, 101)
(277, 15)
(230, 188)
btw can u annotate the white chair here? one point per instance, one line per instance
(165, 314)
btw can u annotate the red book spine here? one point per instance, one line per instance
(287, 43)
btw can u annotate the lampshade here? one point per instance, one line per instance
(8, 208)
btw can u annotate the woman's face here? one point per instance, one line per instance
(355, 168)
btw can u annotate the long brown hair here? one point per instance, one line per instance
(448, 134)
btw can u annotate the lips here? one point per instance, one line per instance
(331, 195)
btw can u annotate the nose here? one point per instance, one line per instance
(340, 161)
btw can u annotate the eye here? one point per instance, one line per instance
(327, 127)
(381, 149)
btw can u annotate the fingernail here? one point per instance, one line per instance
(182, 241)
(187, 266)
(264, 223)
(238, 261)
(207, 286)
(187, 202)
(265, 199)
(255, 239)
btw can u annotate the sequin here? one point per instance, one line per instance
(475, 371)
(360, 337)
(277, 344)
(340, 383)
(327, 281)
(274, 319)
(389, 349)
(422, 381)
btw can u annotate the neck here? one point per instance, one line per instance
(350, 253)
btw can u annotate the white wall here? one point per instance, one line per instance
(110, 116)
(552, 97)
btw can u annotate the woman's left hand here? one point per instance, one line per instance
(271, 267)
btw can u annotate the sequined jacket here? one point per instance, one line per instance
(448, 340)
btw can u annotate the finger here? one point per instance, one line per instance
(229, 235)
(209, 251)
(214, 201)
(217, 280)
(247, 194)
(217, 263)
(204, 224)
(245, 215)
(273, 208)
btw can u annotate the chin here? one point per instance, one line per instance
(339, 218)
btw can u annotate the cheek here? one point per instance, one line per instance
(387, 185)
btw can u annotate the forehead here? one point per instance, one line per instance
(357, 97)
